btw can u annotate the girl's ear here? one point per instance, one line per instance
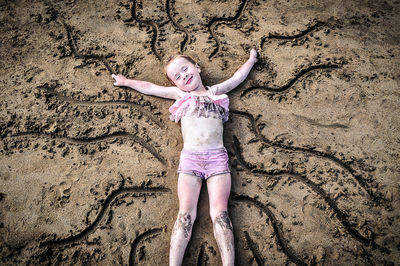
(198, 67)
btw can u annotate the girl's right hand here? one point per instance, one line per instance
(119, 80)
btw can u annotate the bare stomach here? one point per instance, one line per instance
(201, 133)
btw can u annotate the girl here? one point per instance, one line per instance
(202, 112)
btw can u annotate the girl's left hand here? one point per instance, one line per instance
(254, 54)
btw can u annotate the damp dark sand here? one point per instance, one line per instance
(88, 170)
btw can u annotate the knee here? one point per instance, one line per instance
(222, 219)
(217, 208)
(186, 216)
(184, 222)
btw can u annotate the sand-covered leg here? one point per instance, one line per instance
(188, 193)
(218, 190)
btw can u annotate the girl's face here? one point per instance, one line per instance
(184, 74)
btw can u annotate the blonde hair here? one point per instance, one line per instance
(172, 58)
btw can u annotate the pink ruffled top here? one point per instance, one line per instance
(211, 105)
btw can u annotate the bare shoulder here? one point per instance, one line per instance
(218, 89)
(168, 92)
(179, 93)
(213, 89)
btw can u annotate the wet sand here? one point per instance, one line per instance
(88, 170)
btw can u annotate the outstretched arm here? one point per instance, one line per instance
(239, 76)
(148, 88)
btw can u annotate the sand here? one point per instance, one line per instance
(88, 170)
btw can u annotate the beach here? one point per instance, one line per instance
(88, 170)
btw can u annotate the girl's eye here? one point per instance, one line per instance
(185, 68)
(177, 77)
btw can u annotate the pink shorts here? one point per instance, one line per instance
(204, 164)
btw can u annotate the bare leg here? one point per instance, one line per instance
(219, 188)
(188, 193)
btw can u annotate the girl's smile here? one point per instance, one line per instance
(189, 79)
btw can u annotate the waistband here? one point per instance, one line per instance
(206, 151)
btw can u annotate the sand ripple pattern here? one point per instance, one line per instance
(153, 30)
